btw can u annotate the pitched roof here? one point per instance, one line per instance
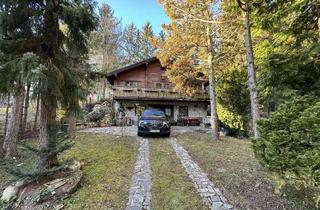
(132, 66)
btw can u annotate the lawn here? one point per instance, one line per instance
(171, 186)
(231, 165)
(108, 167)
(108, 164)
(25, 161)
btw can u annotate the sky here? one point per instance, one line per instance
(138, 12)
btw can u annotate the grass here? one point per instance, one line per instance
(231, 165)
(171, 186)
(108, 164)
(25, 161)
(108, 167)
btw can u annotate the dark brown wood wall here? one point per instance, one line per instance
(147, 76)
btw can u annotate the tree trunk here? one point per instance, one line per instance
(72, 124)
(10, 140)
(212, 89)
(5, 126)
(7, 115)
(35, 125)
(25, 111)
(48, 137)
(21, 112)
(251, 74)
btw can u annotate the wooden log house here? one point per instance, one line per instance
(145, 85)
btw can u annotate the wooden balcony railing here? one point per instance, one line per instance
(139, 93)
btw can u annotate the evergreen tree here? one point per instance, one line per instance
(136, 44)
(105, 44)
(35, 26)
(232, 86)
(287, 56)
(25, 111)
(147, 35)
(130, 44)
(246, 7)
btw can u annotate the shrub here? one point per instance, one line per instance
(289, 143)
(97, 114)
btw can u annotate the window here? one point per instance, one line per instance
(164, 76)
(162, 85)
(131, 83)
(158, 85)
(183, 111)
(166, 85)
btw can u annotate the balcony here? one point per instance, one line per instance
(159, 94)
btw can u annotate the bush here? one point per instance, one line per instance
(97, 114)
(289, 143)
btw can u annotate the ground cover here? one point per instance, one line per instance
(171, 186)
(231, 165)
(108, 164)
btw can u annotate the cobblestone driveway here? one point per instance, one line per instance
(140, 192)
(132, 130)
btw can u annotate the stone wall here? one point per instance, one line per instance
(194, 110)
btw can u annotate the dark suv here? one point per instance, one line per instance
(153, 121)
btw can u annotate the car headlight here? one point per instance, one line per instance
(141, 124)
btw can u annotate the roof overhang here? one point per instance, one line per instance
(173, 100)
(111, 76)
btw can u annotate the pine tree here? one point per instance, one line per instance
(35, 123)
(105, 43)
(147, 35)
(25, 111)
(255, 114)
(130, 44)
(246, 6)
(14, 74)
(10, 139)
(34, 26)
(136, 44)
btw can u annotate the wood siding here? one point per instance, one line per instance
(146, 76)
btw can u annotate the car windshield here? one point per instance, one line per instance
(153, 113)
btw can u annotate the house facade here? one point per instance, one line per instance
(145, 85)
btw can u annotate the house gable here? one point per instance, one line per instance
(145, 74)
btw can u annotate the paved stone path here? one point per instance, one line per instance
(210, 194)
(140, 191)
(132, 130)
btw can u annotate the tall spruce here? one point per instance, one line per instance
(147, 35)
(35, 26)
(25, 111)
(105, 44)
